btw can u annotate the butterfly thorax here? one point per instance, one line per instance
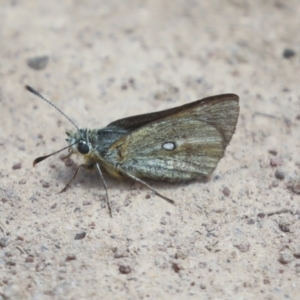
(93, 144)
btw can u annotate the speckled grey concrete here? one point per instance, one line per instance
(234, 237)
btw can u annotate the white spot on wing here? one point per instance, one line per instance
(169, 146)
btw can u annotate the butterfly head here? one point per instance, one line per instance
(79, 142)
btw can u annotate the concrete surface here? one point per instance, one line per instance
(234, 237)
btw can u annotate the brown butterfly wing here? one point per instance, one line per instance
(186, 143)
(137, 121)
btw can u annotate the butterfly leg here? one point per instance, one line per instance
(102, 178)
(149, 187)
(74, 176)
(105, 186)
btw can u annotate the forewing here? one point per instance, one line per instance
(137, 121)
(185, 144)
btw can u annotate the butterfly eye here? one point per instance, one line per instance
(83, 148)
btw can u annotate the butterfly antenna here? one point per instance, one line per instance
(33, 91)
